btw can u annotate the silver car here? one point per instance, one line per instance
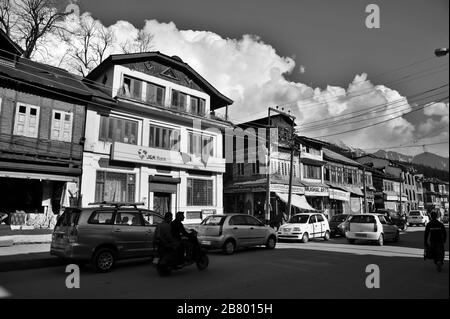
(104, 234)
(231, 231)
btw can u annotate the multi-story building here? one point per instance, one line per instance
(346, 179)
(152, 136)
(436, 193)
(42, 114)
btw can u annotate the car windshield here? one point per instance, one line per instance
(299, 219)
(213, 220)
(362, 219)
(412, 213)
(338, 218)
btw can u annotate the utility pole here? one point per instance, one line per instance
(291, 171)
(268, 168)
(366, 210)
(401, 197)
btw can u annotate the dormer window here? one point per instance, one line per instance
(198, 106)
(179, 100)
(132, 88)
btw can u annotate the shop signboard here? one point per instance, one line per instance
(339, 195)
(283, 188)
(316, 191)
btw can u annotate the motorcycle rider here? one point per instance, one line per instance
(178, 231)
(164, 233)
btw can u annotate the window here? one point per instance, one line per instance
(155, 94)
(333, 174)
(199, 144)
(128, 219)
(311, 171)
(101, 217)
(255, 168)
(327, 173)
(164, 138)
(340, 175)
(114, 129)
(199, 192)
(179, 100)
(240, 169)
(132, 87)
(115, 187)
(61, 126)
(310, 150)
(27, 120)
(152, 219)
(198, 106)
(238, 220)
(319, 218)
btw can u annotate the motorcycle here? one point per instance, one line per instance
(168, 258)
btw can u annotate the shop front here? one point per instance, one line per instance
(337, 200)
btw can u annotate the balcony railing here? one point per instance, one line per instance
(21, 146)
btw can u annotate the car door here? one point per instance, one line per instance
(257, 231)
(130, 234)
(240, 230)
(312, 226)
(389, 229)
(321, 225)
(151, 222)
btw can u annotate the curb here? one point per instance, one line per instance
(30, 261)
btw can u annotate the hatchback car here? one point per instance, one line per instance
(394, 217)
(305, 226)
(335, 222)
(101, 235)
(371, 227)
(418, 217)
(232, 231)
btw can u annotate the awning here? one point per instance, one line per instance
(312, 161)
(296, 200)
(338, 194)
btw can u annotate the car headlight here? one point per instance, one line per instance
(297, 229)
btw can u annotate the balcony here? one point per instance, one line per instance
(22, 148)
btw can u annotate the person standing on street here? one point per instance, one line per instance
(435, 238)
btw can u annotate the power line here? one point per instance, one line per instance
(393, 118)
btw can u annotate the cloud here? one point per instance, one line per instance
(253, 74)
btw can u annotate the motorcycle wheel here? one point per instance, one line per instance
(203, 262)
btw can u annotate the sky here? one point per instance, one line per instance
(315, 58)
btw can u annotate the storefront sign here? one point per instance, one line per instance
(282, 188)
(153, 156)
(316, 191)
(339, 195)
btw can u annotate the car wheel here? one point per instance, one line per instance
(229, 247)
(203, 262)
(397, 237)
(271, 242)
(327, 235)
(104, 260)
(350, 241)
(380, 241)
(305, 238)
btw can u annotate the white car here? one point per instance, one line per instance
(305, 226)
(418, 217)
(371, 227)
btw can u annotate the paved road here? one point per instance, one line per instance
(292, 271)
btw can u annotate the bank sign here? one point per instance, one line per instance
(153, 156)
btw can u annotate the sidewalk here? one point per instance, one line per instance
(27, 256)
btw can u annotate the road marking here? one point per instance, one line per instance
(388, 251)
(4, 293)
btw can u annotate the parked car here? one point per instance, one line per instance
(395, 217)
(418, 217)
(335, 222)
(102, 235)
(232, 231)
(371, 227)
(305, 226)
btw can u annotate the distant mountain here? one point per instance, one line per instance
(394, 156)
(432, 160)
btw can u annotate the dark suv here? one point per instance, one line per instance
(394, 217)
(103, 234)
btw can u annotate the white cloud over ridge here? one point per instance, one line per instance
(251, 73)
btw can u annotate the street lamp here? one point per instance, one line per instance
(441, 52)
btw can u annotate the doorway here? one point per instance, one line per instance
(162, 202)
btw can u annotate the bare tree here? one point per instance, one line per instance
(27, 21)
(88, 44)
(142, 43)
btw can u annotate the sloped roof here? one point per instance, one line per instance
(9, 45)
(218, 100)
(336, 157)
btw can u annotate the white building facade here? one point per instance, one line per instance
(152, 137)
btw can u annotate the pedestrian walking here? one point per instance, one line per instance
(435, 238)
